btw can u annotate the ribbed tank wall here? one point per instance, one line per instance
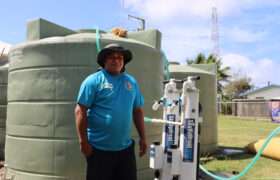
(3, 107)
(44, 80)
(207, 86)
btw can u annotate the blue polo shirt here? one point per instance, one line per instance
(110, 101)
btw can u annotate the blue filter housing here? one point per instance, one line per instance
(189, 134)
(169, 132)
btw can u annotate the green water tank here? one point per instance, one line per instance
(3, 107)
(44, 78)
(207, 97)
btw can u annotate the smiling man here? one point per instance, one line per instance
(108, 100)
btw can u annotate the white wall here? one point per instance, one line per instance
(266, 94)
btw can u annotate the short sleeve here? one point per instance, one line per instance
(139, 99)
(87, 93)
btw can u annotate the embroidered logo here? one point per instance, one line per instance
(128, 85)
(107, 85)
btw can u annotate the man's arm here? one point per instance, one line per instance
(81, 127)
(138, 118)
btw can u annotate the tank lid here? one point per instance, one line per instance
(41, 28)
(151, 37)
(212, 67)
(90, 31)
(187, 69)
(174, 63)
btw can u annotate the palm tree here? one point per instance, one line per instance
(222, 73)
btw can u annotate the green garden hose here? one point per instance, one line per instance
(251, 164)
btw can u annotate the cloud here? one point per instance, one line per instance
(168, 9)
(158, 10)
(186, 28)
(244, 36)
(261, 71)
(182, 42)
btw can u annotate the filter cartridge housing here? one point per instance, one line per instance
(156, 155)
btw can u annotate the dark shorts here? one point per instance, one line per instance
(112, 165)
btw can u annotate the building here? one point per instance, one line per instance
(256, 103)
(265, 93)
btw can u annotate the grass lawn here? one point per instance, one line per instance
(237, 133)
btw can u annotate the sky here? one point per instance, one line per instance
(248, 29)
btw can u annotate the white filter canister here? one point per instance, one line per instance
(156, 156)
(176, 161)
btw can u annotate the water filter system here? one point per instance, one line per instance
(176, 157)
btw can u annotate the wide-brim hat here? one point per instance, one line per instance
(110, 48)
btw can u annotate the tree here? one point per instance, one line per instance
(222, 72)
(237, 86)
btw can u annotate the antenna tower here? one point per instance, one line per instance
(215, 33)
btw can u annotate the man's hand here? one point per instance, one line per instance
(86, 149)
(138, 118)
(142, 147)
(81, 126)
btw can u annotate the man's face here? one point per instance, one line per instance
(114, 63)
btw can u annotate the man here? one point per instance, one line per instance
(107, 102)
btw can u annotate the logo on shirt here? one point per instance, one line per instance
(107, 85)
(128, 85)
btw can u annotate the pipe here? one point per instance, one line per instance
(152, 120)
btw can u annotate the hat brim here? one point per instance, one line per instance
(127, 55)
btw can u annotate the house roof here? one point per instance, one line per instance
(259, 90)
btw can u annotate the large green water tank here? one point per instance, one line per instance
(44, 78)
(3, 107)
(207, 97)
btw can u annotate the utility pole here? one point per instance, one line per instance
(142, 21)
(215, 37)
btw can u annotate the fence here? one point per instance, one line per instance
(259, 109)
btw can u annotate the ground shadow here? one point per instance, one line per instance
(227, 153)
(224, 153)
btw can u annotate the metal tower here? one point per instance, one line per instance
(215, 33)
